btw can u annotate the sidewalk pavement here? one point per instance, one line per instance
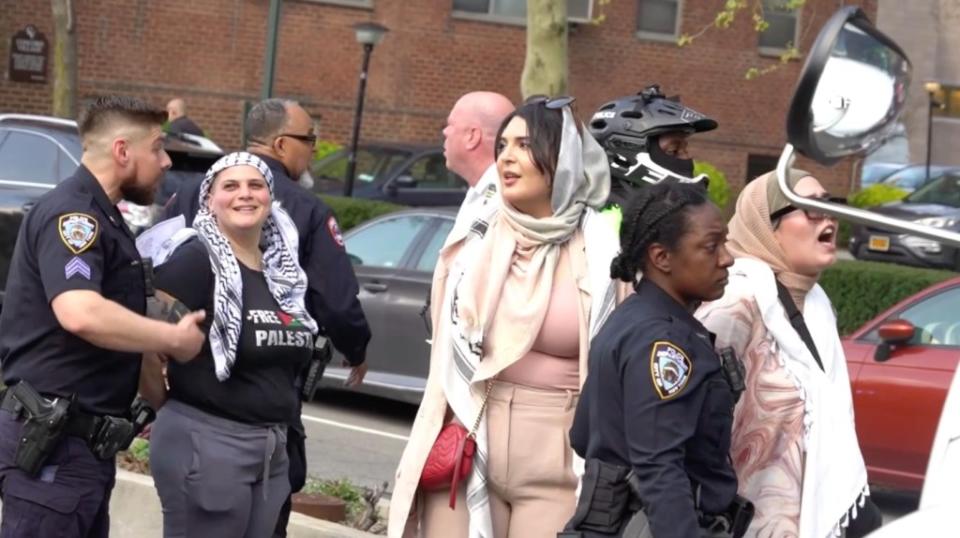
(135, 513)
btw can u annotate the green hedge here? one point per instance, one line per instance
(718, 188)
(860, 290)
(875, 195)
(353, 211)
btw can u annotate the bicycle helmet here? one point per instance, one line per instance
(629, 129)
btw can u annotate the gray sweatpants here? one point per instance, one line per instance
(217, 477)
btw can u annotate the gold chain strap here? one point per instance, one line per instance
(483, 407)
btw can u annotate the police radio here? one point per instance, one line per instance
(322, 355)
(733, 371)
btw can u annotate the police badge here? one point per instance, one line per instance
(670, 369)
(78, 231)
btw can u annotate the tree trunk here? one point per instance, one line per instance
(545, 67)
(64, 61)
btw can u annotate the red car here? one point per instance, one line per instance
(901, 364)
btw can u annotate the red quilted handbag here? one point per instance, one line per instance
(451, 457)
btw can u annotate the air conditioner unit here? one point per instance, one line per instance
(580, 10)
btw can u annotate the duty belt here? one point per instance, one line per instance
(79, 424)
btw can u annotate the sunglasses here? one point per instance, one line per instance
(308, 138)
(554, 103)
(811, 214)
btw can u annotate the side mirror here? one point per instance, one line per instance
(354, 259)
(403, 181)
(893, 333)
(852, 90)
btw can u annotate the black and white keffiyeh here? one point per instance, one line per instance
(279, 242)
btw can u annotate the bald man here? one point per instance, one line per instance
(179, 122)
(468, 145)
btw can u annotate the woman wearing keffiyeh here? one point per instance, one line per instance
(514, 306)
(794, 444)
(218, 452)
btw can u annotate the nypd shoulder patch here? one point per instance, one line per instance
(78, 231)
(670, 369)
(334, 230)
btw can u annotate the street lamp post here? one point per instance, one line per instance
(932, 89)
(368, 34)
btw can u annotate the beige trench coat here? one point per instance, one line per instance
(433, 408)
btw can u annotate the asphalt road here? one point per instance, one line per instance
(361, 438)
(355, 436)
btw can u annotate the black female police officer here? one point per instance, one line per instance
(73, 327)
(654, 418)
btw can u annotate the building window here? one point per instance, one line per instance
(949, 97)
(781, 34)
(515, 11)
(758, 164)
(658, 19)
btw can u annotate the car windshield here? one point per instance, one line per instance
(913, 177)
(944, 190)
(371, 163)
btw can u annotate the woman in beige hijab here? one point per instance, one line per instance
(515, 304)
(794, 444)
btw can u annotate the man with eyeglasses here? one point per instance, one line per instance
(282, 133)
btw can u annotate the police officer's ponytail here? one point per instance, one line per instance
(655, 214)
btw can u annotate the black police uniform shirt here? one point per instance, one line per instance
(73, 238)
(272, 348)
(656, 400)
(332, 287)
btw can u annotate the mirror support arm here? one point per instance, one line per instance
(882, 353)
(859, 216)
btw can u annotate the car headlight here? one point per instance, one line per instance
(937, 222)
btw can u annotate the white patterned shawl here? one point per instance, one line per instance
(581, 183)
(279, 242)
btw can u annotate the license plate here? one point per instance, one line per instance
(879, 243)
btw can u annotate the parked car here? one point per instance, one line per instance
(901, 364)
(405, 174)
(874, 172)
(935, 204)
(914, 176)
(37, 152)
(394, 256)
(940, 496)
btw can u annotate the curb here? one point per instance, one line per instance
(135, 513)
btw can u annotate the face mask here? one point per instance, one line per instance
(682, 167)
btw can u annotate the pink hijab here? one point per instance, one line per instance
(751, 232)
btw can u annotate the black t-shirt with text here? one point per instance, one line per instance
(272, 350)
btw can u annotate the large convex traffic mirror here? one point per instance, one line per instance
(851, 90)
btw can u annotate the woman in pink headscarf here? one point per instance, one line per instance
(794, 444)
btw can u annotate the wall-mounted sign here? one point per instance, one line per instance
(28, 56)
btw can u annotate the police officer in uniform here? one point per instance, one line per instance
(654, 418)
(646, 138)
(282, 134)
(73, 328)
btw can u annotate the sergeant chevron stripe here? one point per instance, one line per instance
(76, 266)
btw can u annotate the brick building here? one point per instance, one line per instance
(211, 53)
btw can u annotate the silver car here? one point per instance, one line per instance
(394, 256)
